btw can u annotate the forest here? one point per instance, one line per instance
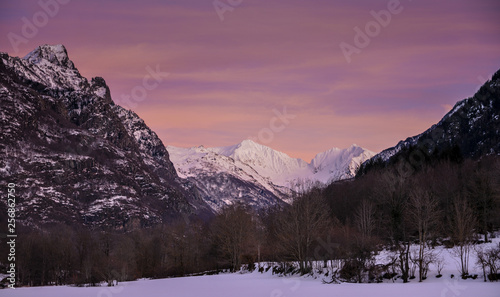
(450, 202)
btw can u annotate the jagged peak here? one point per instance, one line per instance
(101, 89)
(53, 54)
(249, 144)
(248, 148)
(352, 151)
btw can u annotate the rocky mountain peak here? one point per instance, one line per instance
(87, 160)
(101, 89)
(53, 54)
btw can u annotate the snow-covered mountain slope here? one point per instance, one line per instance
(275, 173)
(470, 130)
(278, 167)
(223, 180)
(338, 164)
(78, 158)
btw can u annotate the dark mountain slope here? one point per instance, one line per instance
(470, 130)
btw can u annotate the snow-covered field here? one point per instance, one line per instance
(257, 285)
(267, 285)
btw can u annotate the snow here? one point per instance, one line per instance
(256, 284)
(277, 167)
(457, 106)
(99, 204)
(45, 54)
(135, 126)
(386, 154)
(267, 173)
(50, 66)
(100, 92)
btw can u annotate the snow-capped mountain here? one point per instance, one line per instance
(268, 175)
(75, 156)
(470, 130)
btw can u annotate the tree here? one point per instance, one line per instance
(301, 224)
(424, 214)
(463, 225)
(365, 219)
(440, 263)
(489, 258)
(403, 251)
(124, 267)
(233, 231)
(482, 191)
(392, 195)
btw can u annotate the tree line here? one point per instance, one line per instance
(341, 226)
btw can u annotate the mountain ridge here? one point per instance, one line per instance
(275, 173)
(471, 129)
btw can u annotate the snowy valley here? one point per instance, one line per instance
(266, 283)
(102, 199)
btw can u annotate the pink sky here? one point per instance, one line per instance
(228, 77)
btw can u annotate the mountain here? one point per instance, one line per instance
(470, 130)
(257, 174)
(78, 158)
(75, 156)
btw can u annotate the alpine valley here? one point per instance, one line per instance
(78, 158)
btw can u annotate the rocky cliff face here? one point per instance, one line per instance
(75, 156)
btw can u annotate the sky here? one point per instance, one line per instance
(300, 76)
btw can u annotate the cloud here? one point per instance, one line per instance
(227, 77)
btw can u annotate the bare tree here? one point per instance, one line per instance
(482, 260)
(415, 260)
(489, 259)
(493, 256)
(439, 265)
(365, 219)
(233, 231)
(429, 257)
(485, 196)
(392, 195)
(403, 252)
(463, 225)
(301, 224)
(424, 214)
